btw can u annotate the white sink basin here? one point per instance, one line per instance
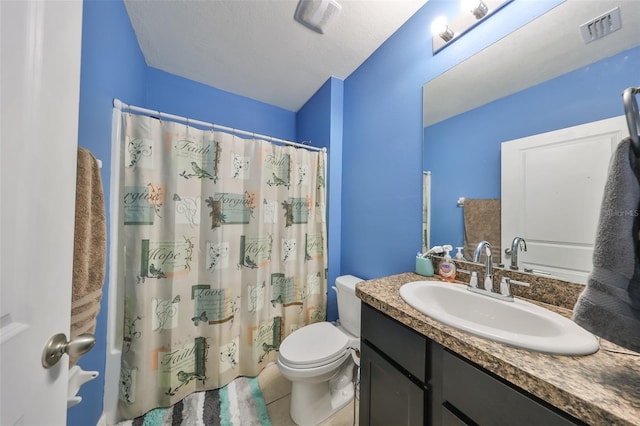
(518, 323)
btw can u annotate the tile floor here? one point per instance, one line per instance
(277, 395)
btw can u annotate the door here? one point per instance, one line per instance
(387, 396)
(40, 83)
(552, 187)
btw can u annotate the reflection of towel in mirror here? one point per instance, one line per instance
(481, 223)
(609, 306)
(89, 246)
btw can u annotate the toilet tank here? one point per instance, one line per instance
(348, 303)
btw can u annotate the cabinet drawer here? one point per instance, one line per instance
(403, 345)
(485, 399)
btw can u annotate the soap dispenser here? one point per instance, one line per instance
(447, 269)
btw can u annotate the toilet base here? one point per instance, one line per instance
(312, 403)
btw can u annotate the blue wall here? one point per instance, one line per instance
(587, 94)
(382, 176)
(371, 122)
(320, 121)
(111, 66)
(176, 95)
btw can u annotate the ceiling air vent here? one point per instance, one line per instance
(317, 14)
(601, 26)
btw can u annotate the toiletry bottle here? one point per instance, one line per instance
(447, 269)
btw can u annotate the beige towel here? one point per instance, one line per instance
(90, 246)
(481, 222)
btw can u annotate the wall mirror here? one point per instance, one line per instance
(540, 78)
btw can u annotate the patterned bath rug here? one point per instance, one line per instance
(240, 403)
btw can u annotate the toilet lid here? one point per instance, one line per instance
(317, 343)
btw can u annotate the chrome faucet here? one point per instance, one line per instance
(517, 244)
(488, 263)
(504, 293)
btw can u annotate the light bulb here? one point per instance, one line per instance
(440, 28)
(439, 25)
(468, 5)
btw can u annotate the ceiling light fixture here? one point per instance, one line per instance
(317, 15)
(470, 14)
(439, 27)
(477, 7)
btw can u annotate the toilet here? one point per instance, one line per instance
(320, 359)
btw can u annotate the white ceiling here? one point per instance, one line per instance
(256, 49)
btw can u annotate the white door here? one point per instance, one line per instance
(552, 187)
(40, 84)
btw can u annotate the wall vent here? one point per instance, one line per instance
(601, 26)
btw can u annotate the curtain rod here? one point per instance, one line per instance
(118, 104)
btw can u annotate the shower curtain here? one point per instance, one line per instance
(225, 250)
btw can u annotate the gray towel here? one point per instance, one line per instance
(609, 306)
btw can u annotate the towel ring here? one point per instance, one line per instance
(633, 117)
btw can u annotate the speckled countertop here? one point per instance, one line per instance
(599, 389)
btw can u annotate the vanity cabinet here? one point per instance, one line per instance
(393, 372)
(469, 395)
(407, 379)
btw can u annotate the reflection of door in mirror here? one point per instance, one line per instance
(552, 185)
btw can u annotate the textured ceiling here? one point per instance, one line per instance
(256, 49)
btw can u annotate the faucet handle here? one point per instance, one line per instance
(488, 283)
(473, 281)
(505, 286)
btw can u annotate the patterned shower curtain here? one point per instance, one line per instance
(225, 250)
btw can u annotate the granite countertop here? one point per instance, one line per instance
(599, 389)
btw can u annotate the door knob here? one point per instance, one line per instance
(58, 346)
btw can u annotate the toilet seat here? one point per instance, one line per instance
(314, 345)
